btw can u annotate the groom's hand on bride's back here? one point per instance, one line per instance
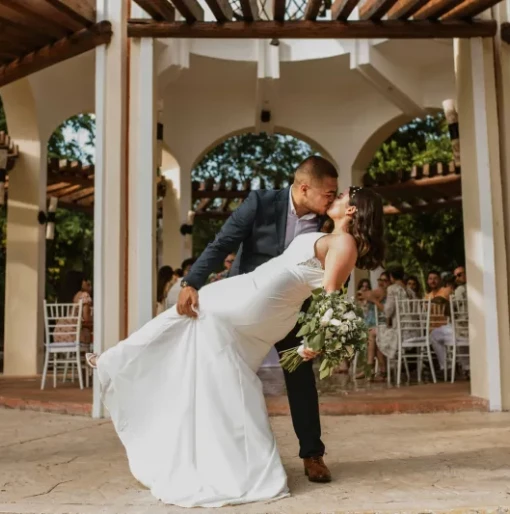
(187, 302)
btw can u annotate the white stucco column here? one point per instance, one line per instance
(25, 263)
(502, 64)
(484, 232)
(142, 184)
(110, 186)
(173, 241)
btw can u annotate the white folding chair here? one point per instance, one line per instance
(458, 346)
(414, 320)
(71, 350)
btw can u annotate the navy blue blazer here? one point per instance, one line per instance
(256, 231)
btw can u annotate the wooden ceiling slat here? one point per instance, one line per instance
(159, 10)
(21, 38)
(43, 10)
(434, 9)
(394, 29)
(82, 12)
(250, 10)
(342, 9)
(221, 9)
(404, 9)
(312, 9)
(469, 9)
(375, 9)
(76, 44)
(279, 9)
(190, 10)
(12, 10)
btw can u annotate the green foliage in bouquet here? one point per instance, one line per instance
(334, 327)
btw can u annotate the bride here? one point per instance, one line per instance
(183, 392)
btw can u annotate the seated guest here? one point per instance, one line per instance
(433, 285)
(460, 281)
(386, 344)
(229, 260)
(75, 287)
(443, 334)
(448, 286)
(368, 307)
(173, 294)
(166, 280)
(413, 284)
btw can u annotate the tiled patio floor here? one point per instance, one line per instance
(337, 396)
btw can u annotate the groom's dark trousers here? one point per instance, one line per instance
(256, 231)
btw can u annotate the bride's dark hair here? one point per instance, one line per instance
(367, 226)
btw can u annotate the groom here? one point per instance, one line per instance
(260, 229)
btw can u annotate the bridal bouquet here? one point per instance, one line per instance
(334, 327)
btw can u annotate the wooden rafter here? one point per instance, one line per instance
(279, 10)
(342, 9)
(190, 10)
(434, 9)
(43, 11)
(82, 12)
(375, 9)
(469, 9)
(394, 29)
(404, 9)
(221, 9)
(422, 189)
(312, 9)
(75, 44)
(159, 10)
(250, 10)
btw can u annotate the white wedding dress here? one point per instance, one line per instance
(184, 395)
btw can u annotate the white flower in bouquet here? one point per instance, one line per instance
(351, 315)
(327, 317)
(335, 322)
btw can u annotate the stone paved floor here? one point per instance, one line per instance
(57, 464)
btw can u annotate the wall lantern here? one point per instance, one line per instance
(49, 218)
(187, 228)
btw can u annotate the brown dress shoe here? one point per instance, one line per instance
(316, 470)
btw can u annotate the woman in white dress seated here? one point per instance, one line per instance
(183, 392)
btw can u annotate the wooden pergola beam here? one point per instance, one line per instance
(76, 44)
(394, 29)
(505, 32)
(342, 9)
(404, 9)
(375, 9)
(434, 9)
(81, 11)
(312, 9)
(159, 10)
(469, 9)
(250, 10)
(190, 10)
(279, 10)
(221, 9)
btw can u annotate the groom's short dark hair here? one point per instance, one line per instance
(316, 168)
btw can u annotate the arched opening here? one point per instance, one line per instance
(415, 173)
(70, 179)
(241, 162)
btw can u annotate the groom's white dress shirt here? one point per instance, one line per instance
(295, 225)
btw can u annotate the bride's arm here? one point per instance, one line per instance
(339, 263)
